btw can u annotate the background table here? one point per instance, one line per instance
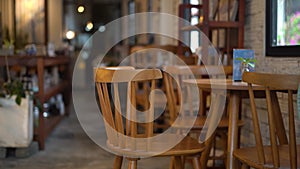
(236, 91)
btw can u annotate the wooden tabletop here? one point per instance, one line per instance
(227, 84)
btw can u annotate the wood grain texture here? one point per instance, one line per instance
(176, 78)
(123, 131)
(280, 153)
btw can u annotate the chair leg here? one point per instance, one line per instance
(132, 164)
(118, 162)
(172, 163)
(224, 146)
(205, 154)
(178, 162)
(214, 147)
(183, 159)
(196, 163)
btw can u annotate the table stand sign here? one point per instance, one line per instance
(237, 64)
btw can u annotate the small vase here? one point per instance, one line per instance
(9, 50)
(244, 67)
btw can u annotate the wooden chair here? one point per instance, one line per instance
(149, 56)
(124, 136)
(282, 151)
(179, 73)
(153, 56)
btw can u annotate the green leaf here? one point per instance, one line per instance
(249, 61)
(18, 100)
(240, 59)
(251, 64)
(14, 88)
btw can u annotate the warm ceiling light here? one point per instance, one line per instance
(80, 8)
(89, 26)
(70, 34)
(200, 19)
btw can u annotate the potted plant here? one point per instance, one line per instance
(12, 88)
(9, 46)
(246, 63)
(16, 113)
(8, 42)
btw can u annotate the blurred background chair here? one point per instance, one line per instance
(155, 56)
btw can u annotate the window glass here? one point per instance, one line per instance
(283, 27)
(288, 23)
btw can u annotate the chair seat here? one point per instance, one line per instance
(187, 146)
(200, 121)
(249, 156)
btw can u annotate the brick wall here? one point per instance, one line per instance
(255, 39)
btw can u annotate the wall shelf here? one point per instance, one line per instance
(212, 25)
(50, 123)
(52, 91)
(40, 64)
(223, 25)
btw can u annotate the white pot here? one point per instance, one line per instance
(16, 123)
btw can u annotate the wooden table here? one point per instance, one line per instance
(236, 91)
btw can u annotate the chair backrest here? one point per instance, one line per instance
(151, 56)
(173, 77)
(121, 123)
(273, 83)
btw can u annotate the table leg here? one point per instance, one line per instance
(234, 104)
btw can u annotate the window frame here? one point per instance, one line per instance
(271, 21)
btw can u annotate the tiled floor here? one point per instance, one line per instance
(68, 147)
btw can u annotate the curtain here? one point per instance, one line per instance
(7, 17)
